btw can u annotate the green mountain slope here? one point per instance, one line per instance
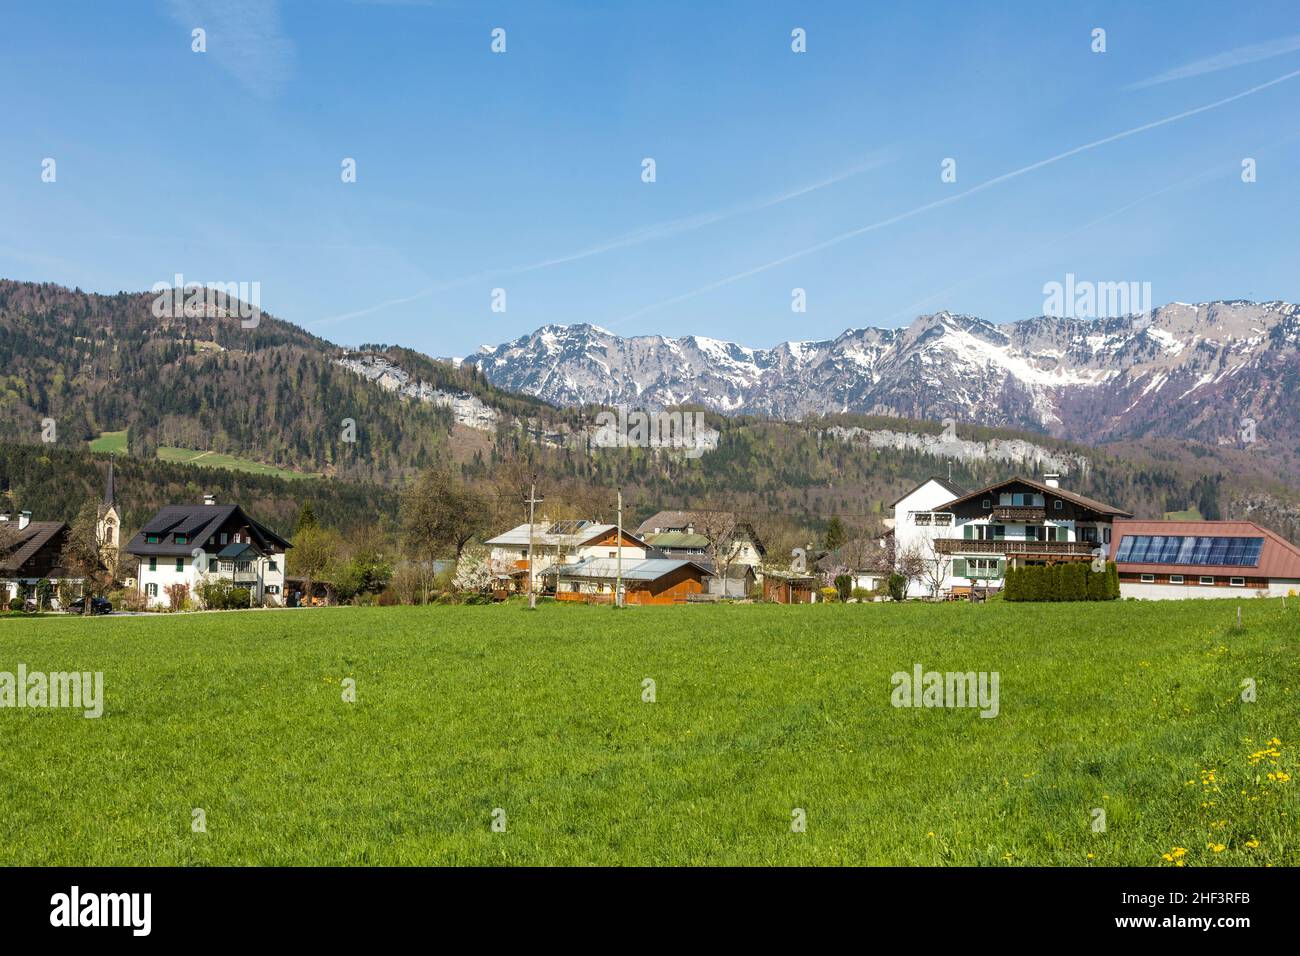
(275, 397)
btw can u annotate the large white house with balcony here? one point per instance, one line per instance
(965, 540)
(190, 544)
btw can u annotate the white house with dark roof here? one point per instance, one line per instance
(970, 539)
(190, 544)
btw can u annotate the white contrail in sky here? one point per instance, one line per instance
(987, 184)
(661, 230)
(1223, 61)
(911, 311)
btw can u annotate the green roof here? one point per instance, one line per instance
(677, 539)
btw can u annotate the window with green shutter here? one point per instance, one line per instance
(968, 532)
(959, 567)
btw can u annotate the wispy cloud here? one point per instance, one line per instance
(675, 227)
(1223, 61)
(663, 230)
(245, 38)
(947, 200)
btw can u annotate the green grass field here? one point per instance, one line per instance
(1134, 708)
(212, 459)
(114, 443)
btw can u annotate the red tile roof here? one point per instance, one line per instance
(1279, 558)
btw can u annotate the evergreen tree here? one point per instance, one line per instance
(306, 517)
(835, 534)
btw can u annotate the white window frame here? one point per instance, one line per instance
(1176, 579)
(1237, 582)
(1148, 579)
(1206, 579)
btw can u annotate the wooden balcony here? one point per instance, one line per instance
(1025, 513)
(1042, 549)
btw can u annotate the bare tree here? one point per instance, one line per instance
(910, 563)
(861, 550)
(442, 515)
(718, 528)
(935, 566)
(780, 536)
(83, 553)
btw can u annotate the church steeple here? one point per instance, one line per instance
(108, 529)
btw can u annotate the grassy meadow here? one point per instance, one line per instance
(1131, 707)
(116, 443)
(213, 459)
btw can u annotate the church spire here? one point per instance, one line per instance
(109, 491)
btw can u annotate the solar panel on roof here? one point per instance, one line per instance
(1210, 550)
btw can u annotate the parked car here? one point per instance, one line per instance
(98, 605)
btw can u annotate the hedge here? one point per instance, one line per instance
(1072, 581)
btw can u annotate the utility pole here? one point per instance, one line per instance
(618, 556)
(532, 501)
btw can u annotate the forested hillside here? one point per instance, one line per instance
(275, 394)
(104, 363)
(55, 483)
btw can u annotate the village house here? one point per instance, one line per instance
(1159, 560)
(555, 543)
(860, 562)
(970, 539)
(191, 544)
(683, 535)
(30, 552)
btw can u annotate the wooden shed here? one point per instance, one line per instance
(651, 581)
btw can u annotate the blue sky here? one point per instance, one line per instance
(774, 170)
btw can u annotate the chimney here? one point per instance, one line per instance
(1052, 480)
(24, 519)
(209, 499)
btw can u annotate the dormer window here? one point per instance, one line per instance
(151, 538)
(182, 539)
